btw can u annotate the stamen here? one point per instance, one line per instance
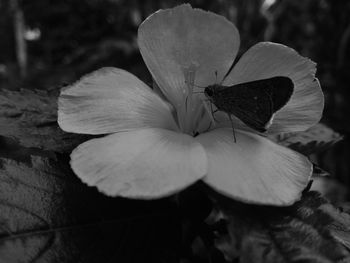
(189, 75)
(192, 108)
(189, 80)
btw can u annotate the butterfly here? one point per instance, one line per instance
(254, 102)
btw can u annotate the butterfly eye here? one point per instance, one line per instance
(209, 92)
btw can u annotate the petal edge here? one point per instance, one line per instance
(140, 164)
(111, 100)
(254, 169)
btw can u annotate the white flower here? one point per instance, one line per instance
(152, 152)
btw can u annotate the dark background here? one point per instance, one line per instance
(45, 44)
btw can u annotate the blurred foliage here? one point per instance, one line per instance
(74, 37)
(311, 230)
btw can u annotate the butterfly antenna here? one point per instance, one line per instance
(233, 129)
(194, 85)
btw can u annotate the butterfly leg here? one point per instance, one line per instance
(213, 111)
(233, 129)
(209, 126)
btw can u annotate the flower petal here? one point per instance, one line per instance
(254, 169)
(146, 163)
(111, 100)
(181, 42)
(266, 60)
(302, 112)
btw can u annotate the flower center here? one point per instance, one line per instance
(192, 111)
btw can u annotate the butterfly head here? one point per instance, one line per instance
(210, 91)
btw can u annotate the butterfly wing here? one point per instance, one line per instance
(255, 110)
(282, 90)
(254, 102)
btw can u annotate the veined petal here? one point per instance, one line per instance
(111, 100)
(146, 163)
(179, 43)
(303, 111)
(254, 169)
(266, 60)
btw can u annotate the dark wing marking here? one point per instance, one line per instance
(283, 88)
(254, 102)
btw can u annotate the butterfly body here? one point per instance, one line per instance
(255, 102)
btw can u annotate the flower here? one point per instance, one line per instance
(162, 140)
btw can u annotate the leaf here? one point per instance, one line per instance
(319, 172)
(330, 188)
(30, 117)
(47, 215)
(314, 140)
(310, 231)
